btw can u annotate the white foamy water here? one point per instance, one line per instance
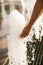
(16, 46)
(37, 26)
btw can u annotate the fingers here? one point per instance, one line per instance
(25, 32)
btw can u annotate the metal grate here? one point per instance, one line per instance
(35, 51)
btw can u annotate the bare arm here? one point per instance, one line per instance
(37, 9)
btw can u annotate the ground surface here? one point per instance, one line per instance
(3, 47)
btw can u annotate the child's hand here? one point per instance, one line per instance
(25, 32)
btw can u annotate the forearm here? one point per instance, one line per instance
(37, 9)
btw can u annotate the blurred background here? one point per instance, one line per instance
(6, 6)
